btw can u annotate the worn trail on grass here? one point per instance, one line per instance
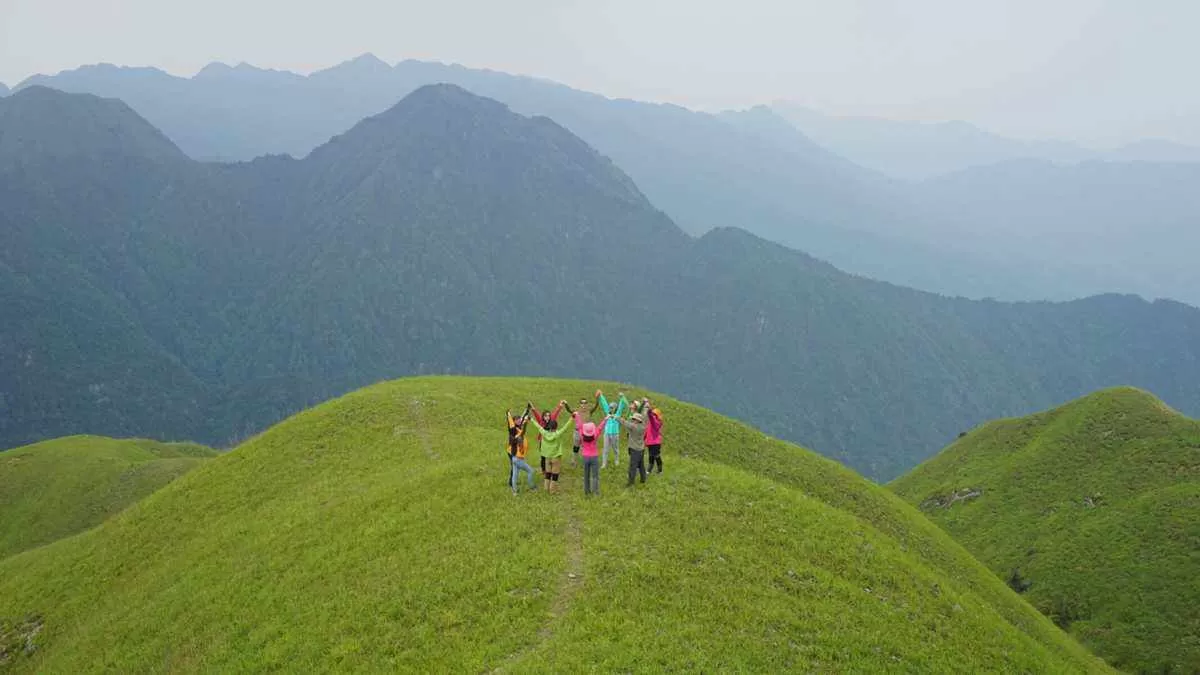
(422, 429)
(568, 588)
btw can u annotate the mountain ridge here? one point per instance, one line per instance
(245, 292)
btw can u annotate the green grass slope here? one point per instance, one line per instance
(1094, 508)
(375, 532)
(60, 487)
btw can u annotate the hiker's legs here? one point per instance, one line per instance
(614, 440)
(576, 440)
(511, 472)
(655, 457)
(521, 466)
(636, 465)
(555, 465)
(591, 475)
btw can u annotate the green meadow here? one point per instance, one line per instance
(1090, 510)
(376, 532)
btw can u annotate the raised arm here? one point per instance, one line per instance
(557, 409)
(652, 418)
(552, 435)
(622, 405)
(536, 415)
(603, 401)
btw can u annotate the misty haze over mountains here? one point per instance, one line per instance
(1081, 228)
(919, 150)
(149, 294)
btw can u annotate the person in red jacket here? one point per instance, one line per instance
(581, 417)
(654, 438)
(589, 449)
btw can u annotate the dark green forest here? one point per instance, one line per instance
(144, 293)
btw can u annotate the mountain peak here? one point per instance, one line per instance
(457, 140)
(214, 69)
(363, 64)
(40, 122)
(4, 89)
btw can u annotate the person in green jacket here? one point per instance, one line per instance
(552, 451)
(612, 430)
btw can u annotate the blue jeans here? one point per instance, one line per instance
(591, 475)
(520, 465)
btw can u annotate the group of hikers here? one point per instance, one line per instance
(593, 443)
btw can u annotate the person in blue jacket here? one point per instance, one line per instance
(612, 428)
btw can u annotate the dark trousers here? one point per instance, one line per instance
(510, 474)
(637, 464)
(655, 456)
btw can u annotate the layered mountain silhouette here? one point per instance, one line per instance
(750, 170)
(145, 293)
(920, 150)
(1090, 510)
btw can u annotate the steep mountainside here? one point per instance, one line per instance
(1091, 510)
(749, 169)
(698, 168)
(375, 532)
(58, 488)
(163, 297)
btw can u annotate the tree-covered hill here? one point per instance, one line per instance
(1092, 510)
(146, 294)
(375, 532)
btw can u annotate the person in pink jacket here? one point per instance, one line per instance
(589, 450)
(654, 424)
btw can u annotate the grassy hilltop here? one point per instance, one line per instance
(57, 488)
(1093, 510)
(375, 532)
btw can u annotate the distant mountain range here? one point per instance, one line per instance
(920, 150)
(144, 293)
(752, 170)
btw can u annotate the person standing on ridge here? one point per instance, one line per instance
(636, 426)
(654, 424)
(517, 443)
(549, 421)
(551, 451)
(612, 430)
(590, 437)
(581, 417)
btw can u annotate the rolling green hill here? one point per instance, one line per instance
(376, 532)
(1093, 510)
(57, 488)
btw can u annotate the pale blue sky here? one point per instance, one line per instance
(1100, 71)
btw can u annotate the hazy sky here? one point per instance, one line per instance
(1100, 71)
